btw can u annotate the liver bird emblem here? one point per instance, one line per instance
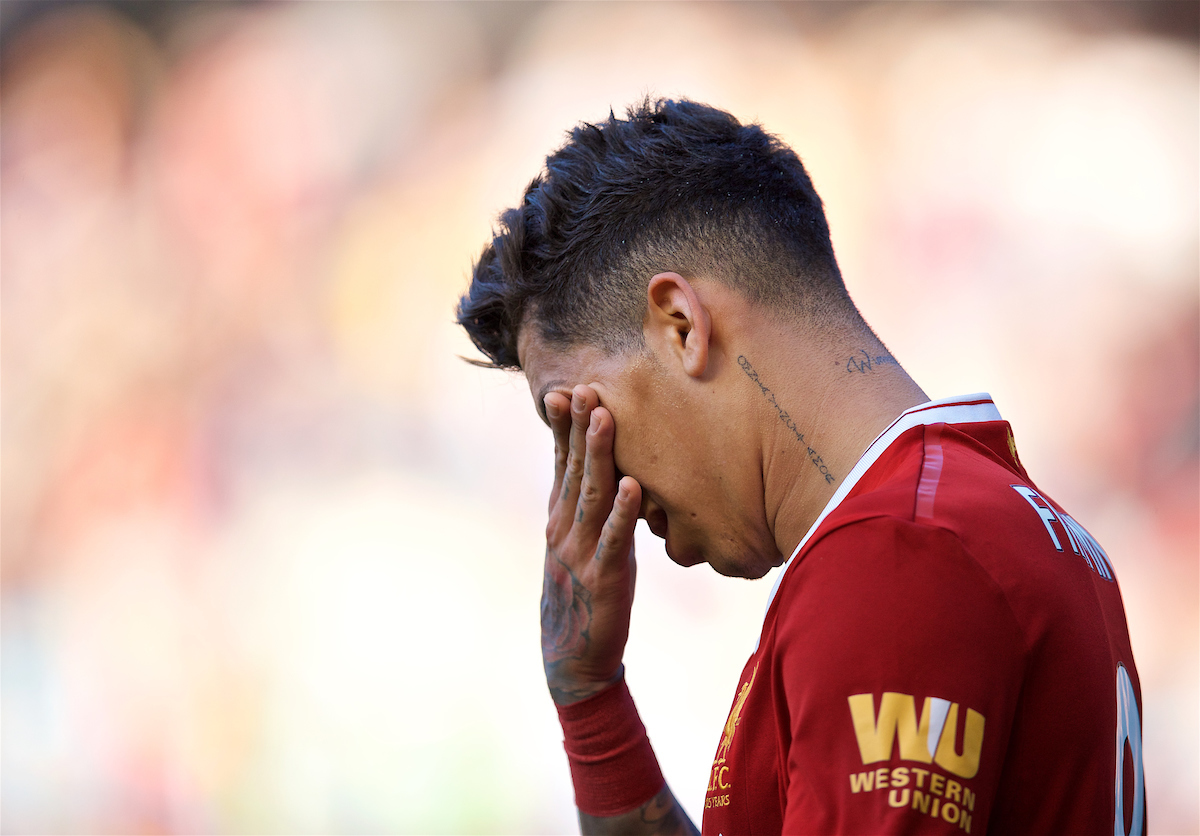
(735, 716)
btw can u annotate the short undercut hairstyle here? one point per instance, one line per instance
(676, 186)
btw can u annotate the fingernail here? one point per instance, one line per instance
(594, 422)
(551, 408)
(576, 402)
(622, 491)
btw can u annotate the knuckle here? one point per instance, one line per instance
(589, 492)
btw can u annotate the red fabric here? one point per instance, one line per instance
(936, 590)
(613, 767)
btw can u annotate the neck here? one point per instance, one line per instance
(821, 402)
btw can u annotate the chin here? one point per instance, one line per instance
(737, 570)
(687, 558)
(747, 564)
(744, 562)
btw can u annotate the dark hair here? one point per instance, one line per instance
(678, 185)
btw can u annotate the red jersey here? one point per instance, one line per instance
(945, 652)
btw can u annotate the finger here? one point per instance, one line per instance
(558, 414)
(616, 539)
(583, 400)
(599, 481)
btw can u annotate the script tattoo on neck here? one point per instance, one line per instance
(868, 362)
(817, 461)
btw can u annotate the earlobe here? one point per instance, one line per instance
(678, 322)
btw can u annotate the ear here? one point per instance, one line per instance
(677, 323)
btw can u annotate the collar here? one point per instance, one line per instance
(969, 409)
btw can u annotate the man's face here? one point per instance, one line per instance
(701, 486)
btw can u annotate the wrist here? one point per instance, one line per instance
(568, 692)
(613, 767)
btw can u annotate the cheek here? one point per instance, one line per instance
(632, 457)
(671, 477)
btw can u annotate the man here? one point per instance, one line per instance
(946, 649)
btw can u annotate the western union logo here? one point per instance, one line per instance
(932, 739)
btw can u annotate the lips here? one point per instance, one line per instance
(656, 521)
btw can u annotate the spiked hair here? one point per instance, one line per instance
(677, 185)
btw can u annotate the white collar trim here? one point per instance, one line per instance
(969, 409)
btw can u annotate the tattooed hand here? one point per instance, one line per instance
(590, 568)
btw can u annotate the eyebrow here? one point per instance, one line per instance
(541, 398)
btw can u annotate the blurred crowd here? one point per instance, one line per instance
(271, 550)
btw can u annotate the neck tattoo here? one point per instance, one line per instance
(817, 461)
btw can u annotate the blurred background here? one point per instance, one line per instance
(271, 551)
